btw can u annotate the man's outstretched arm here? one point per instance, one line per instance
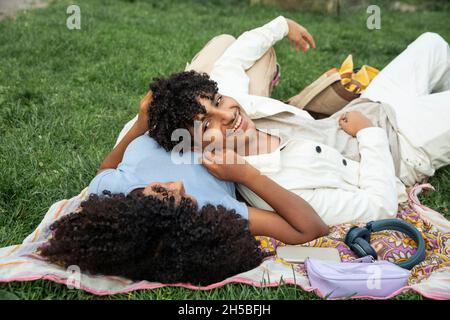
(229, 69)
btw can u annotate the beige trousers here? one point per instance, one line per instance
(260, 74)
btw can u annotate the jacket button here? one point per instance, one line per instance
(318, 149)
(344, 162)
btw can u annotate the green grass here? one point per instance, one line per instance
(65, 95)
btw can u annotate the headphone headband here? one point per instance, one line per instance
(356, 236)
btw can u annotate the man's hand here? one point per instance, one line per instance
(143, 110)
(229, 166)
(353, 121)
(299, 36)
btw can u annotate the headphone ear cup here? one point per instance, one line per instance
(356, 248)
(353, 233)
(364, 248)
(349, 236)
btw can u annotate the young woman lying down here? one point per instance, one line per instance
(166, 222)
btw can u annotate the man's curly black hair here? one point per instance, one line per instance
(146, 238)
(175, 104)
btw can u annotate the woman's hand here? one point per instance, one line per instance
(143, 110)
(299, 36)
(229, 166)
(353, 121)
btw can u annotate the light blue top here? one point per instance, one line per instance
(144, 162)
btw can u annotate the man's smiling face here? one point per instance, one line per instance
(224, 121)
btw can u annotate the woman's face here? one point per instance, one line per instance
(171, 189)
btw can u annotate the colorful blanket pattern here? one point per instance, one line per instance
(430, 278)
(392, 246)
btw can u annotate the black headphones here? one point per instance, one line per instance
(358, 239)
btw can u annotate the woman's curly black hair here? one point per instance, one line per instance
(146, 238)
(175, 104)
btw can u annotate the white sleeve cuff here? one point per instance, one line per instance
(279, 27)
(372, 135)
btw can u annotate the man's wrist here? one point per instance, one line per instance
(289, 25)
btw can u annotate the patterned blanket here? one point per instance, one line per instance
(394, 246)
(431, 278)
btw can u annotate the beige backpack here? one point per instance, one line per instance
(334, 89)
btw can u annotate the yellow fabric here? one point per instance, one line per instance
(364, 76)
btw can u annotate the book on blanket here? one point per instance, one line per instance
(298, 254)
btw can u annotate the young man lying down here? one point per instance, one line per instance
(166, 222)
(352, 166)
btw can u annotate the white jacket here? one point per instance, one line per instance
(339, 189)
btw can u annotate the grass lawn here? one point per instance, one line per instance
(65, 95)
